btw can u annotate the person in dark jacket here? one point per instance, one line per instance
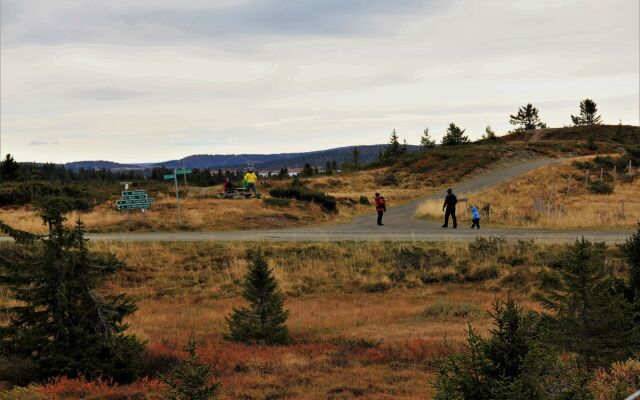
(450, 201)
(381, 207)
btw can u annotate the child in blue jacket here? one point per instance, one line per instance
(475, 218)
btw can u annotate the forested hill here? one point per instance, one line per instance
(261, 161)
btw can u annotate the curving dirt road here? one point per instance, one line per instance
(400, 223)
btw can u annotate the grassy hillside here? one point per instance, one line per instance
(623, 134)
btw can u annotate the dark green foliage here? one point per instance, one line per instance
(454, 136)
(307, 170)
(303, 193)
(489, 135)
(263, 321)
(60, 323)
(600, 187)
(276, 202)
(426, 141)
(393, 149)
(486, 246)
(588, 114)
(631, 250)
(508, 365)
(590, 316)
(364, 200)
(189, 379)
(526, 118)
(355, 158)
(9, 169)
(21, 193)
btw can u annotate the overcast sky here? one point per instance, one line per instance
(151, 80)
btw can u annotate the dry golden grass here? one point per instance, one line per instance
(202, 211)
(206, 214)
(540, 199)
(358, 330)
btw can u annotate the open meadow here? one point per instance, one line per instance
(367, 320)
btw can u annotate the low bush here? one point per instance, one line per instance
(364, 200)
(276, 202)
(303, 193)
(486, 246)
(449, 308)
(22, 193)
(600, 187)
(387, 180)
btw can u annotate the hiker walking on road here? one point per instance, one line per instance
(381, 207)
(250, 177)
(450, 201)
(475, 218)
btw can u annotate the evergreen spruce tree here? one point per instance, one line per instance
(394, 150)
(631, 249)
(489, 134)
(588, 114)
(426, 141)
(263, 321)
(307, 170)
(510, 364)
(590, 316)
(454, 136)
(526, 118)
(355, 158)
(60, 322)
(189, 379)
(9, 168)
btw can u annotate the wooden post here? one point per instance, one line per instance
(586, 177)
(629, 167)
(615, 174)
(175, 179)
(601, 173)
(569, 185)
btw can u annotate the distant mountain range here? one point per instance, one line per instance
(264, 162)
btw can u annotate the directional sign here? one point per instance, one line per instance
(167, 177)
(134, 199)
(183, 171)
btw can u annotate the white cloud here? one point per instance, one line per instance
(154, 80)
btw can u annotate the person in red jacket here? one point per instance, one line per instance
(381, 207)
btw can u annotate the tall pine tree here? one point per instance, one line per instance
(426, 141)
(454, 136)
(60, 322)
(263, 321)
(394, 149)
(526, 118)
(9, 168)
(588, 114)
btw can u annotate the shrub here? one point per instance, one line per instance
(387, 180)
(303, 193)
(600, 187)
(276, 202)
(486, 246)
(31, 192)
(448, 308)
(364, 200)
(619, 382)
(482, 273)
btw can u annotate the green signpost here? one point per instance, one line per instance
(134, 200)
(174, 176)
